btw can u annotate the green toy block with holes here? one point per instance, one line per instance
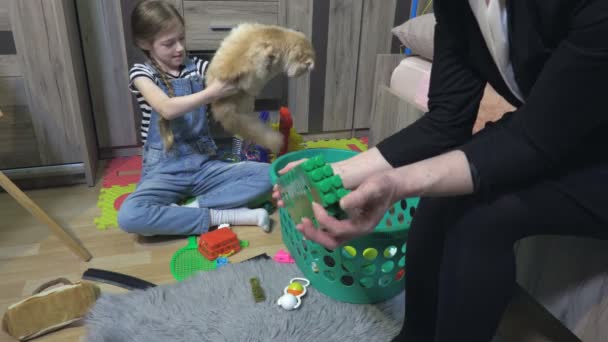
(369, 269)
(310, 181)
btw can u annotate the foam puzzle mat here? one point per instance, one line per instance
(354, 144)
(119, 180)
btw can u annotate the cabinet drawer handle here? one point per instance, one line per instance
(221, 27)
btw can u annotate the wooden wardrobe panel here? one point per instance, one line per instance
(76, 85)
(44, 42)
(342, 59)
(16, 137)
(101, 27)
(5, 20)
(10, 66)
(13, 92)
(209, 22)
(376, 38)
(297, 15)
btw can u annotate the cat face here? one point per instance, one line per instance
(301, 58)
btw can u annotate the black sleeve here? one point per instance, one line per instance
(565, 108)
(454, 94)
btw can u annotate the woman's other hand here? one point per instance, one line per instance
(365, 207)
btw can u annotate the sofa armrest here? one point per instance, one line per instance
(390, 111)
(390, 114)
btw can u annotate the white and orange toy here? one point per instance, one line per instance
(291, 298)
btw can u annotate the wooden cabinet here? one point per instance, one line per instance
(208, 22)
(347, 35)
(43, 90)
(105, 50)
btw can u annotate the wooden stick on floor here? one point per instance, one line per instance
(63, 235)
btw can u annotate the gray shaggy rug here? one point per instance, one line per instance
(218, 306)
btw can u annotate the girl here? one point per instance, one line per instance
(179, 157)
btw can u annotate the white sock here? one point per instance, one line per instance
(193, 203)
(243, 216)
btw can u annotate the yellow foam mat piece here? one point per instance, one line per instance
(343, 144)
(108, 204)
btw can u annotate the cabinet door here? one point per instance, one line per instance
(341, 66)
(18, 147)
(297, 15)
(48, 47)
(105, 51)
(376, 37)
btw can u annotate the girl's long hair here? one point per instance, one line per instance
(148, 19)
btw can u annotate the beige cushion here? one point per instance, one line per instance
(410, 80)
(417, 34)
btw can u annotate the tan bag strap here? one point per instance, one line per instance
(51, 283)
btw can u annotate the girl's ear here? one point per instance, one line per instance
(144, 45)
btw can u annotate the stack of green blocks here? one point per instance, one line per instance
(310, 181)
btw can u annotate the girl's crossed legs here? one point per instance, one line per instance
(215, 184)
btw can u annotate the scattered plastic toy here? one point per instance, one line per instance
(283, 257)
(220, 242)
(293, 293)
(257, 290)
(221, 261)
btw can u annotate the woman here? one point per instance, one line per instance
(541, 169)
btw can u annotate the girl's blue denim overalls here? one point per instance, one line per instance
(189, 168)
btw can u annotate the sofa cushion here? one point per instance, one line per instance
(417, 34)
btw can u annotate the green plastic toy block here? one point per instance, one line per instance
(257, 290)
(312, 181)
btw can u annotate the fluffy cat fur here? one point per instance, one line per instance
(251, 55)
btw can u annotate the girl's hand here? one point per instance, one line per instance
(219, 89)
(365, 207)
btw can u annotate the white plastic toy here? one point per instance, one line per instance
(291, 299)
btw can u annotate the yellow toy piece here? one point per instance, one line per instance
(295, 289)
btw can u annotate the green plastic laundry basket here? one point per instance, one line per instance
(367, 270)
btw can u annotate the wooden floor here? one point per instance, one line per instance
(30, 255)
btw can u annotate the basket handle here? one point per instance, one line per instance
(50, 283)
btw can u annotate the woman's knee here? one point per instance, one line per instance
(486, 229)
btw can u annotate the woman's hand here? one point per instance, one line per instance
(353, 171)
(365, 207)
(276, 191)
(219, 89)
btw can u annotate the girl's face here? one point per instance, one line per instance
(168, 47)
